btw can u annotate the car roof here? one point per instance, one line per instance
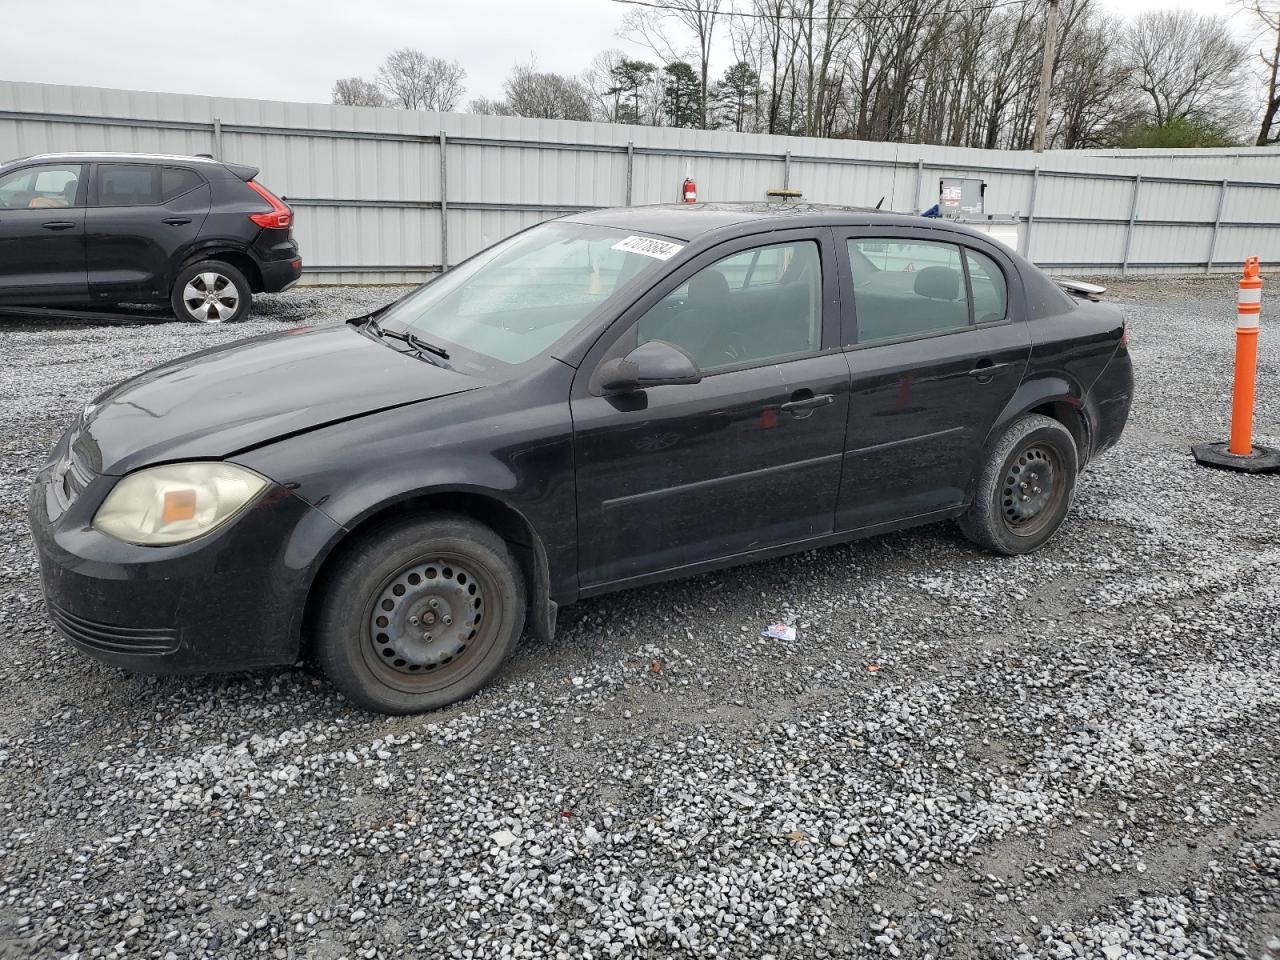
(688, 221)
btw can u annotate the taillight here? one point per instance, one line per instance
(280, 215)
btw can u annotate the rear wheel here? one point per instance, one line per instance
(1025, 487)
(211, 291)
(419, 614)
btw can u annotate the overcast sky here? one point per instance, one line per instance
(295, 49)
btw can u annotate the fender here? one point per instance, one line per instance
(464, 452)
(1036, 390)
(203, 247)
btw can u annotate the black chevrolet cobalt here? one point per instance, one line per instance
(599, 402)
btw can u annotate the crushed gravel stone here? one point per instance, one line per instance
(1071, 754)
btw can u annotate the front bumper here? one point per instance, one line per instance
(229, 601)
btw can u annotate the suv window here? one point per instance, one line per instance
(986, 281)
(755, 306)
(128, 184)
(907, 288)
(175, 181)
(52, 185)
(142, 184)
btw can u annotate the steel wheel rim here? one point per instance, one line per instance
(1032, 490)
(210, 297)
(444, 596)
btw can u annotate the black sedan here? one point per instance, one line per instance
(599, 402)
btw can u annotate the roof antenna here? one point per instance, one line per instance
(881, 202)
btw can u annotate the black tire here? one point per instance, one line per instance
(428, 571)
(210, 291)
(1025, 487)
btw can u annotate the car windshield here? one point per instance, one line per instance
(513, 301)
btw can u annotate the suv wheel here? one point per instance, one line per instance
(211, 291)
(1025, 488)
(419, 614)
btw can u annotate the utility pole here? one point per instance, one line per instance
(1046, 74)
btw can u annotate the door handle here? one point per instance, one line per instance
(984, 370)
(59, 224)
(176, 221)
(804, 403)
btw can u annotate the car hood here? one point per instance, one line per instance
(219, 402)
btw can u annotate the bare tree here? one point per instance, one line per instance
(358, 92)
(1268, 16)
(415, 81)
(652, 28)
(489, 108)
(602, 91)
(550, 96)
(1188, 65)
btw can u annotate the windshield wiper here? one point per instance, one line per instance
(406, 337)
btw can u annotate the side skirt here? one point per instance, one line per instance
(766, 553)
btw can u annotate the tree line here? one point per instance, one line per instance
(963, 73)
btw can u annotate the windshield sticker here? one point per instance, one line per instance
(648, 247)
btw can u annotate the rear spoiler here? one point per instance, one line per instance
(1078, 288)
(241, 171)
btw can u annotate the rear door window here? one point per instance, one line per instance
(128, 184)
(904, 289)
(990, 293)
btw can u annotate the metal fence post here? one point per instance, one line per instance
(631, 165)
(915, 200)
(217, 138)
(1217, 224)
(786, 170)
(1031, 212)
(444, 204)
(1128, 233)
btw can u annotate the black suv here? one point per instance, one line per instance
(81, 229)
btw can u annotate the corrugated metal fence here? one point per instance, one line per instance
(385, 196)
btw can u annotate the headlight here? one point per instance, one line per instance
(176, 502)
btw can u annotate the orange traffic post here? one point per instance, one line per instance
(1240, 452)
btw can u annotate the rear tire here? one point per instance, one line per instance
(419, 614)
(1025, 487)
(210, 291)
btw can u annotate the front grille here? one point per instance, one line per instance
(143, 641)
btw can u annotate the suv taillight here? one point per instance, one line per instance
(280, 215)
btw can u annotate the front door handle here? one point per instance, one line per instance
(176, 221)
(985, 369)
(59, 224)
(805, 403)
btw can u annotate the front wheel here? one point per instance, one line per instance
(1025, 487)
(211, 291)
(419, 614)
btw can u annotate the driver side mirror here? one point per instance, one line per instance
(653, 364)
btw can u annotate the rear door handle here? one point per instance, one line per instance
(985, 369)
(59, 224)
(805, 405)
(176, 221)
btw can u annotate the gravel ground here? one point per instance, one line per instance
(1073, 754)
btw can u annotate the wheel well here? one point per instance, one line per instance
(241, 261)
(1073, 419)
(493, 513)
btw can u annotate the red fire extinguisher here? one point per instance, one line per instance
(689, 191)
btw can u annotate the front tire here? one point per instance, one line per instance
(211, 291)
(419, 614)
(1025, 488)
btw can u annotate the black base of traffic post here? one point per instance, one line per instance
(1261, 460)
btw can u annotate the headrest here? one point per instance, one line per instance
(709, 285)
(938, 283)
